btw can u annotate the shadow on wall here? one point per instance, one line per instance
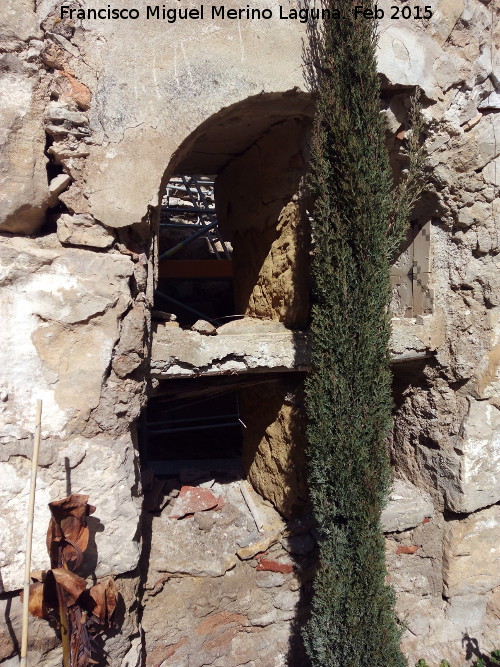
(261, 209)
(274, 443)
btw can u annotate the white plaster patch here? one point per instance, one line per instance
(14, 492)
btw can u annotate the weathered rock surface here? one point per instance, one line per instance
(415, 338)
(61, 311)
(25, 191)
(478, 472)
(406, 507)
(204, 328)
(83, 230)
(179, 353)
(407, 57)
(44, 645)
(76, 322)
(60, 332)
(102, 468)
(173, 536)
(274, 443)
(472, 554)
(200, 617)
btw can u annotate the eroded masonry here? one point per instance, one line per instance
(155, 251)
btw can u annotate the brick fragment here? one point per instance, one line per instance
(268, 565)
(407, 550)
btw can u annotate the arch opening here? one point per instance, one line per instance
(234, 244)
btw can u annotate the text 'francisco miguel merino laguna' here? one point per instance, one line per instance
(213, 12)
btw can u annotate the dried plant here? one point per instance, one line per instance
(83, 612)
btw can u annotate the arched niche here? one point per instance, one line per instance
(257, 151)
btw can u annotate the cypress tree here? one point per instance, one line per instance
(348, 393)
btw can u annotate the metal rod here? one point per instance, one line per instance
(206, 205)
(182, 225)
(205, 399)
(29, 535)
(176, 184)
(192, 428)
(196, 198)
(188, 209)
(192, 419)
(183, 243)
(196, 202)
(188, 308)
(173, 467)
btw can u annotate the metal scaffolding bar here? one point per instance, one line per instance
(188, 308)
(194, 419)
(200, 195)
(192, 428)
(196, 235)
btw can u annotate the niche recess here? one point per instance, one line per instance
(247, 163)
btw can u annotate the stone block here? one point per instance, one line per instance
(444, 18)
(471, 557)
(193, 499)
(83, 230)
(179, 353)
(104, 469)
(477, 469)
(25, 194)
(467, 611)
(56, 186)
(18, 21)
(406, 58)
(60, 312)
(406, 507)
(172, 549)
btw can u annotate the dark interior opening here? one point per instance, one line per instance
(193, 425)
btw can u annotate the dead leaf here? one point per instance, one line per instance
(36, 603)
(104, 596)
(60, 588)
(68, 534)
(76, 504)
(71, 583)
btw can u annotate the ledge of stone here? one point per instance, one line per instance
(251, 345)
(415, 338)
(178, 353)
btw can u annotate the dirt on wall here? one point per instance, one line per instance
(274, 443)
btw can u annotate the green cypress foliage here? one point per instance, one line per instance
(349, 389)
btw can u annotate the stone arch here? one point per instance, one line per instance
(257, 151)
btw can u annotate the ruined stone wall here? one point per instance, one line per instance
(446, 435)
(88, 130)
(92, 113)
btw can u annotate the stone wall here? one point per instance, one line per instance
(446, 435)
(86, 141)
(93, 113)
